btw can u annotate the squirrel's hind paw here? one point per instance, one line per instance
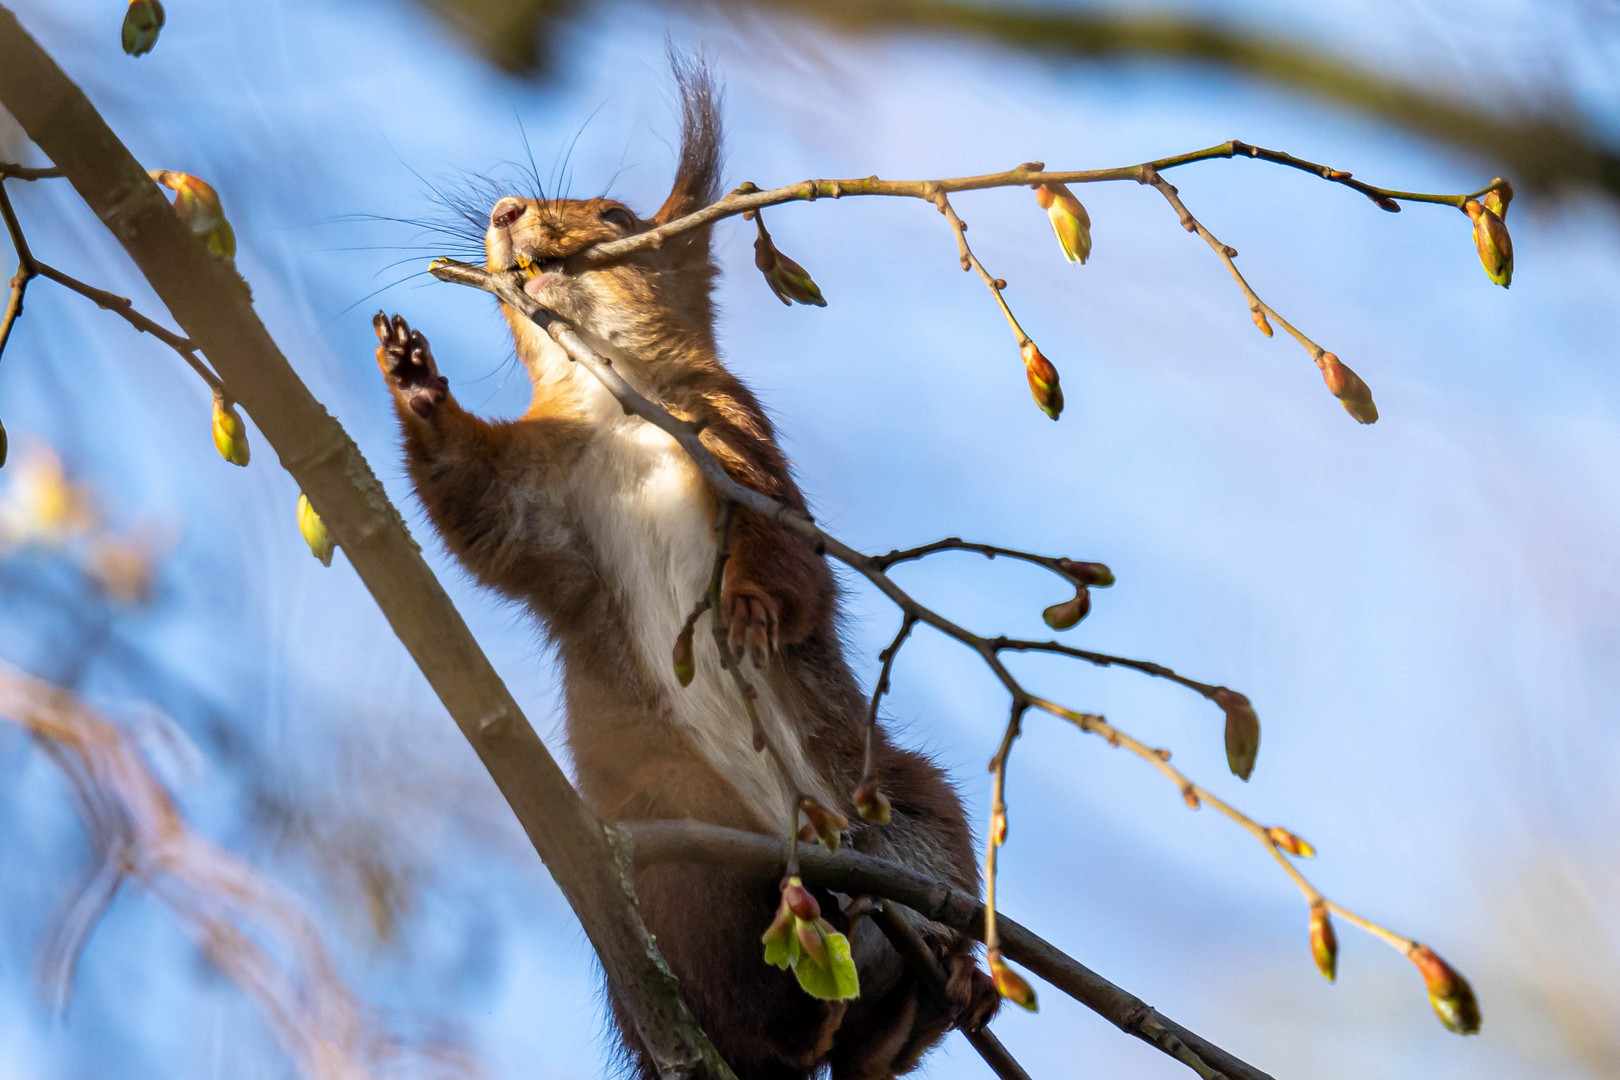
(752, 620)
(407, 363)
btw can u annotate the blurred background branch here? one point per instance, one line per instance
(1543, 145)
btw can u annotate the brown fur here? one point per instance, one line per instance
(500, 496)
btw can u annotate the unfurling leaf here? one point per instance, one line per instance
(1324, 942)
(800, 939)
(197, 204)
(788, 280)
(826, 824)
(1067, 615)
(1242, 731)
(230, 434)
(143, 21)
(313, 529)
(1453, 999)
(1290, 843)
(1492, 241)
(1043, 380)
(1011, 985)
(685, 662)
(1093, 574)
(1069, 220)
(1346, 385)
(871, 803)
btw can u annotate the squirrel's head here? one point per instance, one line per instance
(651, 292)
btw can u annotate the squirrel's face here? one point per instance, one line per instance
(537, 237)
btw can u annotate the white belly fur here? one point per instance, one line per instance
(644, 505)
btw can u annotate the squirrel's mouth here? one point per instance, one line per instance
(532, 268)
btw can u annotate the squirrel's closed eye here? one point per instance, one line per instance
(619, 218)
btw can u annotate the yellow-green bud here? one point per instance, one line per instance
(1067, 615)
(1492, 241)
(1453, 999)
(1324, 942)
(871, 803)
(1069, 220)
(314, 531)
(230, 434)
(685, 662)
(143, 21)
(1347, 386)
(1011, 985)
(788, 280)
(1290, 843)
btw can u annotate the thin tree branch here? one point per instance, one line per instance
(911, 947)
(208, 303)
(9, 171)
(654, 842)
(27, 269)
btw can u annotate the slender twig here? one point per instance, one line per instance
(920, 959)
(1146, 667)
(1028, 174)
(11, 171)
(27, 269)
(653, 843)
(506, 287)
(1258, 308)
(125, 309)
(881, 687)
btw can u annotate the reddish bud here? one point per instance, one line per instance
(685, 661)
(788, 280)
(1069, 219)
(826, 823)
(1190, 797)
(1094, 574)
(1347, 386)
(1011, 985)
(1492, 241)
(1068, 614)
(1453, 999)
(1043, 380)
(871, 803)
(1242, 731)
(797, 899)
(813, 938)
(1496, 200)
(1324, 942)
(1290, 843)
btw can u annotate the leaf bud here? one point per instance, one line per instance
(813, 939)
(1043, 380)
(826, 823)
(1492, 241)
(1290, 843)
(1069, 220)
(797, 899)
(1261, 322)
(143, 21)
(1453, 999)
(314, 531)
(1011, 985)
(787, 279)
(1324, 942)
(1347, 386)
(1066, 615)
(871, 803)
(1496, 200)
(998, 826)
(1242, 731)
(1094, 574)
(197, 204)
(230, 435)
(685, 662)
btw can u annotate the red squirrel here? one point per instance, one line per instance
(600, 523)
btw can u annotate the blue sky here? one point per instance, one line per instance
(1422, 611)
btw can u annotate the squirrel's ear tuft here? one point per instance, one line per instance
(697, 176)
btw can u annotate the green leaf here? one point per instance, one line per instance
(837, 979)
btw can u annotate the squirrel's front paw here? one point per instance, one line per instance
(407, 364)
(752, 619)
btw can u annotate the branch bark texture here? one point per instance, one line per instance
(212, 306)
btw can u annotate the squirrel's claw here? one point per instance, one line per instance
(752, 621)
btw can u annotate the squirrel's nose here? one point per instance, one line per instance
(506, 212)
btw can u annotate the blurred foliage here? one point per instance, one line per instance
(1540, 145)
